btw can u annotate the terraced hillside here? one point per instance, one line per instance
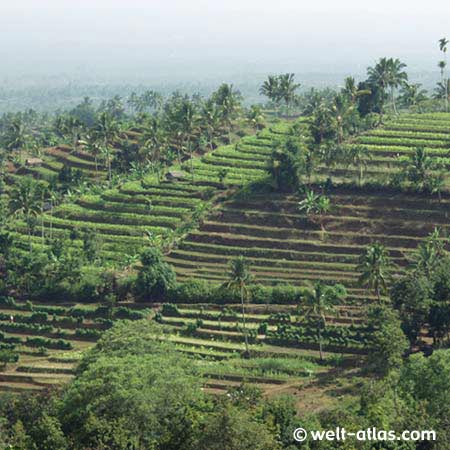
(50, 339)
(53, 160)
(399, 137)
(283, 245)
(126, 216)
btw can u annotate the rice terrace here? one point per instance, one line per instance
(197, 270)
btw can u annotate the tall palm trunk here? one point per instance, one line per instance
(244, 325)
(319, 332)
(51, 219)
(394, 106)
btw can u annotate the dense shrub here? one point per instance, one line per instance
(200, 291)
(155, 277)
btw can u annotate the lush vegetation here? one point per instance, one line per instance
(158, 251)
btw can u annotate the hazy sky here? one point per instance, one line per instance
(115, 37)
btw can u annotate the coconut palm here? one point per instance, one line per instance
(188, 126)
(412, 94)
(430, 252)
(228, 100)
(271, 89)
(387, 74)
(93, 146)
(287, 89)
(16, 135)
(359, 156)
(351, 90)
(153, 145)
(25, 201)
(342, 111)
(255, 116)
(107, 132)
(375, 267)
(443, 42)
(239, 277)
(321, 300)
(442, 90)
(211, 120)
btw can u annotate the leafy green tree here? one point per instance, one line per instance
(387, 343)
(410, 296)
(8, 356)
(239, 277)
(152, 394)
(287, 164)
(375, 268)
(231, 428)
(320, 301)
(155, 277)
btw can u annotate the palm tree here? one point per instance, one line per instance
(229, 102)
(442, 90)
(239, 277)
(70, 128)
(443, 42)
(379, 75)
(271, 89)
(93, 147)
(16, 135)
(188, 123)
(153, 144)
(25, 201)
(387, 73)
(287, 88)
(351, 90)
(397, 77)
(43, 193)
(321, 300)
(412, 94)
(316, 207)
(107, 131)
(342, 111)
(418, 167)
(255, 116)
(374, 267)
(358, 156)
(429, 252)
(211, 120)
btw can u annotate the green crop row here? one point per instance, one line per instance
(74, 212)
(409, 134)
(96, 202)
(367, 139)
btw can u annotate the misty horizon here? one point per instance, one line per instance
(137, 40)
